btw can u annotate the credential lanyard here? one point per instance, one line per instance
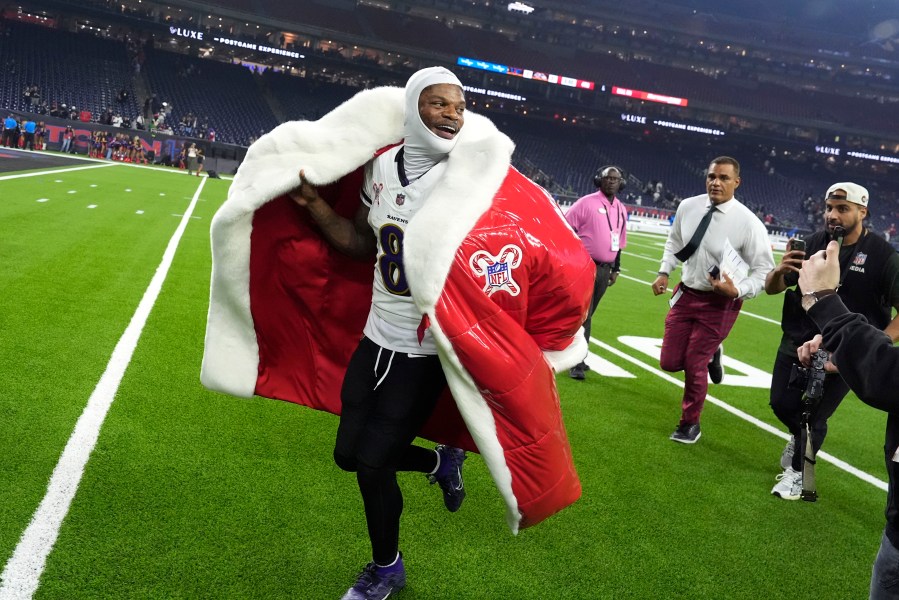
(855, 251)
(609, 219)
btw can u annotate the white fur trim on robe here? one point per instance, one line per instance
(327, 150)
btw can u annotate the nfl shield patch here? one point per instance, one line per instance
(498, 274)
(497, 269)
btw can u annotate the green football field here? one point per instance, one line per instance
(161, 489)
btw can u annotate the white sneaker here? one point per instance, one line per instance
(786, 459)
(789, 484)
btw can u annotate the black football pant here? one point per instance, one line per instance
(386, 399)
(787, 404)
(600, 285)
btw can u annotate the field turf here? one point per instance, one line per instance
(193, 494)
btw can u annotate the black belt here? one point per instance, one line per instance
(606, 264)
(695, 291)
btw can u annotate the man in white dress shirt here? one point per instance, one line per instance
(726, 255)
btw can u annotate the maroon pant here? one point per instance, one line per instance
(695, 326)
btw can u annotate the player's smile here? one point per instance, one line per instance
(446, 130)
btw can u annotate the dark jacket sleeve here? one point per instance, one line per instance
(865, 355)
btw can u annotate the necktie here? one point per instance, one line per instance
(688, 250)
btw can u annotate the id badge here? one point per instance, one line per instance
(616, 241)
(675, 297)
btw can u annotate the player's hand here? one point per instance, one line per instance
(806, 350)
(724, 286)
(613, 277)
(305, 194)
(660, 285)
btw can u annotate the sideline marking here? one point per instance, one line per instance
(21, 576)
(840, 464)
(54, 172)
(106, 163)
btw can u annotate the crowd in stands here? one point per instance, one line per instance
(782, 187)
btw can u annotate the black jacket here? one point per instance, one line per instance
(869, 363)
(867, 287)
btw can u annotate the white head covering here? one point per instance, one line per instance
(423, 147)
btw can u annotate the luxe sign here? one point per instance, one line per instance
(191, 34)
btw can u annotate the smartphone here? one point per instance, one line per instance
(715, 272)
(797, 245)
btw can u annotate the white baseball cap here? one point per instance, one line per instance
(848, 191)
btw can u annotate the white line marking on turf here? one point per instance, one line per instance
(643, 256)
(53, 172)
(42, 199)
(106, 163)
(92, 206)
(21, 576)
(140, 212)
(742, 312)
(866, 477)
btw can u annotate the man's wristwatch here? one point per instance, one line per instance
(810, 298)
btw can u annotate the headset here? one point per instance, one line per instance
(597, 178)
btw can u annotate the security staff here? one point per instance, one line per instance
(600, 220)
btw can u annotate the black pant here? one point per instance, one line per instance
(386, 399)
(786, 403)
(600, 285)
(29, 141)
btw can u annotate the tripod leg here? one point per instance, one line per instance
(809, 489)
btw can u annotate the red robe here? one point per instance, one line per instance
(500, 279)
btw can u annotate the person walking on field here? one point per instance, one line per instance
(726, 255)
(600, 220)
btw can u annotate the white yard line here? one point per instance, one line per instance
(54, 171)
(742, 311)
(866, 477)
(21, 576)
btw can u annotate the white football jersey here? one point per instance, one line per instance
(393, 320)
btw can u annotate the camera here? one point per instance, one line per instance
(810, 379)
